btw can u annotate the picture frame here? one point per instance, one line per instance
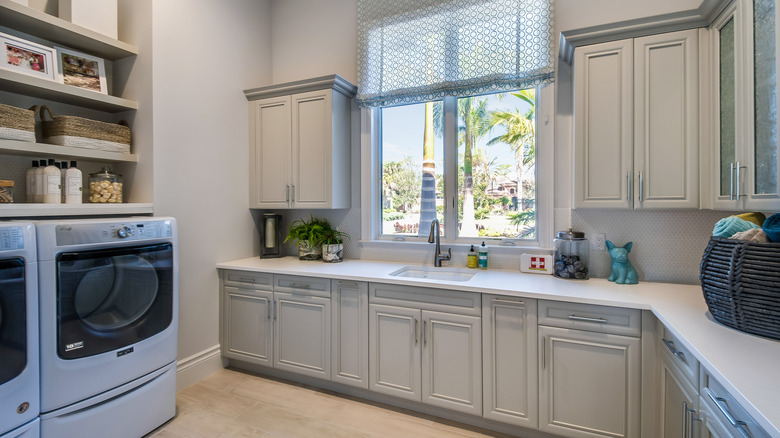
(27, 57)
(81, 70)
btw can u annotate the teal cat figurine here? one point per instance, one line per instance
(623, 271)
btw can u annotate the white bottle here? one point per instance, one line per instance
(72, 186)
(30, 178)
(63, 188)
(39, 188)
(52, 182)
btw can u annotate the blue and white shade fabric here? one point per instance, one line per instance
(422, 50)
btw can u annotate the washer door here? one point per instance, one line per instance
(13, 319)
(110, 299)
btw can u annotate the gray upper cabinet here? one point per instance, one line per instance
(744, 157)
(299, 144)
(636, 123)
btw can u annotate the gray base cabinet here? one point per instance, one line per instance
(590, 377)
(509, 360)
(428, 352)
(249, 330)
(302, 341)
(349, 333)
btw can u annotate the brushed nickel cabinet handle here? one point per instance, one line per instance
(628, 179)
(587, 318)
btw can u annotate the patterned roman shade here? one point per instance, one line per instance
(421, 50)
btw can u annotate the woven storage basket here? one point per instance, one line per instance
(741, 285)
(17, 123)
(84, 133)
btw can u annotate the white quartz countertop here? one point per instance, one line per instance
(748, 366)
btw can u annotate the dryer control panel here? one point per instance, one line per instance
(85, 233)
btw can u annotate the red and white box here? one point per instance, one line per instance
(536, 263)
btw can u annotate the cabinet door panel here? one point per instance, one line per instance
(311, 139)
(248, 326)
(350, 333)
(603, 133)
(452, 361)
(666, 125)
(270, 143)
(590, 383)
(509, 360)
(677, 397)
(302, 334)
(394, 351)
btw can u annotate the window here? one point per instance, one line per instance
(470, 162)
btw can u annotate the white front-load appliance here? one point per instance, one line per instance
(19, 385)
(108, 325)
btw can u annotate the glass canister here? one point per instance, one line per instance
(571, 253)
(105, 187)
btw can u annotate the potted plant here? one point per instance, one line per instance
(332, 241)
(308, 235)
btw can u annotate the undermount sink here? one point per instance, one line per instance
(431, 273)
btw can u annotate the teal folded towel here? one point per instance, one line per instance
(772, 227)
(729, 226)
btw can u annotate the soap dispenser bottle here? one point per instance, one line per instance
(483, 256)
(471, 258)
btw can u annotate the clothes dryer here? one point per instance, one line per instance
(108, 325)
(19, 385)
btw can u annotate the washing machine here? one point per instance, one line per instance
(19, 385)
(108, 291)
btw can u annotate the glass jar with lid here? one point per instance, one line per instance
(105, 187)
(570, 255)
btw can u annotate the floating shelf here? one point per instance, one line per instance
(26, 148)
(44, 89)
(70, 210)
(57, 30)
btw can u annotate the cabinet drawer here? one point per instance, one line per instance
(440, 300)
(675, 352)
(590, 317)
(726, 409)
(248, 279)
(302, 285)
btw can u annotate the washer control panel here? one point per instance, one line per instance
(11, 238)
(85, 233)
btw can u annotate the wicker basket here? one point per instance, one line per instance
(17, 123)
(79, 132)
(741, 284)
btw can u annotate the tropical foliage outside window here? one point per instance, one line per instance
(496, 172)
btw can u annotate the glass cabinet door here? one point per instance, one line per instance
(764, 53)
(727, 103)
(745, 157)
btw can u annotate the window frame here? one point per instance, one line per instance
(371, 184)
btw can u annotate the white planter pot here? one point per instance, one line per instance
(333, 253)
(307, 252)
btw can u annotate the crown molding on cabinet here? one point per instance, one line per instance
(335, 82)
(690, 19)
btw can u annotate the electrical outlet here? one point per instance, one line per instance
(598, 242)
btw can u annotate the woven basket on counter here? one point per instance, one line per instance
(17, 123)
(85, 133)
(741, 284)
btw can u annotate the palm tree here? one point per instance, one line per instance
(521, 137)
(474, 124)
(428, 194)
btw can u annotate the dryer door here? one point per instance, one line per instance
(111, 299)
(13, 319)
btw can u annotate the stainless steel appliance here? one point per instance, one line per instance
(109, 316)
(19, 378)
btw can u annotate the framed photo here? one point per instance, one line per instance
(28, 58)
(81, 70)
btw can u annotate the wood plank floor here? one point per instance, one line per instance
(231, 403)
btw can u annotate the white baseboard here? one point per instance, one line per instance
(197, 367)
